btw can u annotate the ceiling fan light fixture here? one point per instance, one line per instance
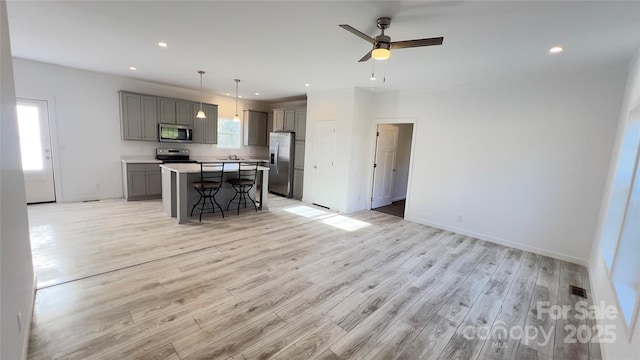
(380, 54)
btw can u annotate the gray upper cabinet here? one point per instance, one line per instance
(185, 112)
(300, 123)
(166, 111)
(172, 111)
(205, 131)
(255, 128)
(278, 120)
(138, 116)
(289, 120)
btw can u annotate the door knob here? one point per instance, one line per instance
(46, 150)
(47, 157)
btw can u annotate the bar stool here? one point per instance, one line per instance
(208, 186)
(247, 172)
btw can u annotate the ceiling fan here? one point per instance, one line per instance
(382, 44)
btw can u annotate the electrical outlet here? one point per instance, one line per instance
(459, 218)
(19, 322)
(97, 186)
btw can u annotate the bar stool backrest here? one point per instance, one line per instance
(248, 171)
(211, 171)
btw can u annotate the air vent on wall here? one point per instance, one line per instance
(577, 291)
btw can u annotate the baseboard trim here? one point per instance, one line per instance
(499, 241)
(92, 198)
(25, 341)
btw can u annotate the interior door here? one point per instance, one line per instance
(385, 162)
(323, 174)
(35, 146)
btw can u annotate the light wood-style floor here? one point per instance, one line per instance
(121, 280)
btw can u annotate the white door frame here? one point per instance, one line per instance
(372, 153)
(53, 134)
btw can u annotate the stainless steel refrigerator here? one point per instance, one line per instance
(281, 161)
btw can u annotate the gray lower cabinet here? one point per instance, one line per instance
(205, 131)
(141, 181)
(298, 162)
(255, 128)
(298, 178)
(138, 117)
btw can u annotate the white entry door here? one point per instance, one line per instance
(386, 148)
(35, 145)
(323, 174)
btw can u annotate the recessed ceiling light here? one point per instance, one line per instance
(227, 94)
(132, 68)
(307, 85)
(256, 93)
(239, 96)
(162, 44)
(556, 49)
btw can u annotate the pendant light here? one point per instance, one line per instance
(200, 114)
(236, 117)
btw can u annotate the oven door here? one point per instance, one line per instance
(174, 133)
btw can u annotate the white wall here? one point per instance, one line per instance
(16, 270)
(523, 163)
(602, 289)
(351, 179)
(403, 155)
(85, 118)
(329, 106)
(362, 138)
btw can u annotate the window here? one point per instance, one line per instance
(30, 143)
(620, 242)
(229, 133)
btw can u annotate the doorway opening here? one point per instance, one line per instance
(391, 168)
(35, 147)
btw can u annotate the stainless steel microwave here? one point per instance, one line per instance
(175, 133)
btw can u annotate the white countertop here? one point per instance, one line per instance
(140, 161)
(230, 166)
(225, 160)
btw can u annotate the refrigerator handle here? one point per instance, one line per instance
(277, 154)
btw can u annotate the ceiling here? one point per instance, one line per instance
(275, 47)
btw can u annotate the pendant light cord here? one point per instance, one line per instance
(237, 81)
(201, 72)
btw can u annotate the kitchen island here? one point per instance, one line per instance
(178, 196)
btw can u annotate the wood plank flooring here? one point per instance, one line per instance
(121, 280)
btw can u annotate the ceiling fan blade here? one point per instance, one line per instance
(358, 33)
(366, 57)
(416, 43)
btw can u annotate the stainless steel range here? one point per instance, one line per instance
(174, 156)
